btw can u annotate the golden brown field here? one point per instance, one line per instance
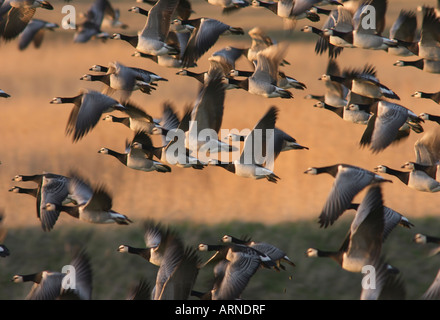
(33, 139)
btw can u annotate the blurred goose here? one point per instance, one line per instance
(137, 159)
(427, 152)
(137, 119)
(240, 265)
(111, 18)
(430, 117)
(404, 29)
(183, 10)
(34, 32)
(139, 10)
(4, 94)
(251, 163)
(15, 15)
(365, 83)
(89, 105)
(335, 91)
(177, 274)
(282, 141)
(433, 292)
(178, 40)
(323, 44)
(229, 6)
(363, 243)
(152, 38)
(264, 80)
(259, 41)
(145, 75)
(434, 96)
(392, 219)
(346, 113)
(48, 285)
(158, 238)
(428, 46)
(51, 188)
(223, 59)
(421, 238)
(273, 252)
(349, 181)
(94, 204)
(205, 32)
(430, 66)
(206, 119)
(424, 238)
(388, 121)
(91, 26)
(367, 37)
(416, 179)
(339, 32)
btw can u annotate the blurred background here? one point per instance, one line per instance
(203, 204)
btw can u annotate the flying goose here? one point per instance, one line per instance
(48, 285)
(388, 122)
(264, 79)
(120, 78)
(430, 66)
(137, 119)
(349, 181)
(340, 29)
(346, 113)
(428, 46)
(282, 141)
(323, 44)
(229, 6)
(15, 15)
(430, 117)
(434, 96)
(422, 238)
(223, 59)
(363, 243)
(183, 11)
(92, 24)
(234, 272)
(392, 219)
(404, 29)
(259, 41)
(257, 158)
(51, 188)
(363, 34)
(427, 151)
(152, 39)
(94, 204)
(433, 292)
(145, 75)
(34, 32)
(89, 105)
(273, 252)
(205, 32)
(158, 238)
(137, 158)
(389, 284)
(416, 179)
(201, 137)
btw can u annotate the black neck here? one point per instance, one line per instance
(30, 191)
(332, 170)
(347, 36)
(122, 157)
(402, 175)
(133, 40)
(34, 277)
(335, 255)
